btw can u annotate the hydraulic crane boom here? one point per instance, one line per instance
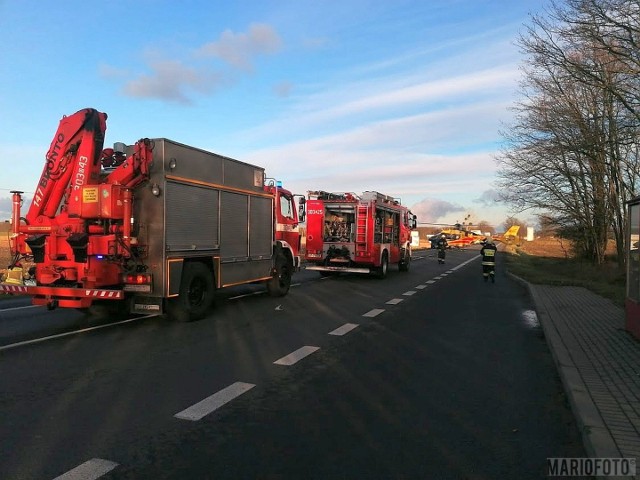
(71, 162)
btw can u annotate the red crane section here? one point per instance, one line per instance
(71, 162)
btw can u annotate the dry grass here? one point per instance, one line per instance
(5, 254)
(549, 262)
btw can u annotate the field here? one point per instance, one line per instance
(546, 247)
(5, 255)
(549, 262)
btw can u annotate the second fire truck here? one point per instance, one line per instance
(357, 233)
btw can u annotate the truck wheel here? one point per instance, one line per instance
(384, 266)
(279, 284)
(196, 293)
(405, 263)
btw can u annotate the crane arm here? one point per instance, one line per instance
(72, 160)
(135, 169)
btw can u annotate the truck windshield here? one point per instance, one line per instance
(286, 206)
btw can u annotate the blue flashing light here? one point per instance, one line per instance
(99, 257)
(279, 184)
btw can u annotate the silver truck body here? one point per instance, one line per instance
(198, 204)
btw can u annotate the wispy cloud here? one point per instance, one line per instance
(239, 49)
(430, 210)
(283, 89)
(177, 79)
(172, 79)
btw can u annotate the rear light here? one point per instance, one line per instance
(137, 279)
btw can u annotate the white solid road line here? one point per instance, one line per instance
(90, 470)
(346, 328)
(74, 332)
(215, 401)
(296, 356)
(373, 313)
(19, 308)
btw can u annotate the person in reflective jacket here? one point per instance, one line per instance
(488, 252)
(442, 245)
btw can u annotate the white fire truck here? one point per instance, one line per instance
(357, 233)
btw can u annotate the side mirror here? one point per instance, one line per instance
(301, 207)
(301, 212)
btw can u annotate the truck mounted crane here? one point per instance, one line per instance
(150, 228)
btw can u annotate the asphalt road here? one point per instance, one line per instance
(434, 376)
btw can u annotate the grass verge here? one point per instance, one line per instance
(605, 280)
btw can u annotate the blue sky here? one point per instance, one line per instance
(403, 97)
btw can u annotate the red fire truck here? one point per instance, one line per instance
(154, 227)
(357, 233)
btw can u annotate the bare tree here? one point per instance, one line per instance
(572, 149)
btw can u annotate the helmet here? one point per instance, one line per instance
(488, 240)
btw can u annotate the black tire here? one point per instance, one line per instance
(197, 290)
(279, 284)
(382, 270)
(405, 263)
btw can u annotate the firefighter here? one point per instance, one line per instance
(442, 245)
(488, 252)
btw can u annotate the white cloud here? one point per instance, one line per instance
(170, 80)
(239, 49)
(176, 79)
(430, 210)
(283, 89)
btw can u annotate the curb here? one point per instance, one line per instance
(596, 437)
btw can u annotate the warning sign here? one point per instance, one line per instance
(90, 194)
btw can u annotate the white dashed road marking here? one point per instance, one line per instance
(395, 301)
(409, 293)
(346, 328)
(464, 263)
(431, 281)
(215, 401)
(296, 356)
(373, 313)
(90, 470)
(420, 287)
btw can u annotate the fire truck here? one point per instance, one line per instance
(156, 227)
(357, 233)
